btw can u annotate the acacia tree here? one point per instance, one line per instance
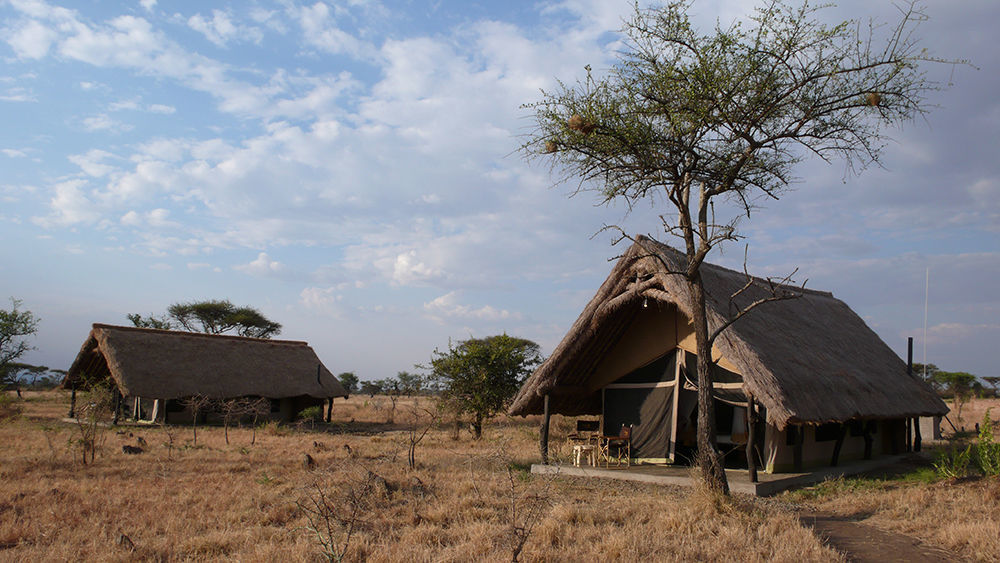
(479, 376)
(212, 317)
(687, 119)
(15, 328)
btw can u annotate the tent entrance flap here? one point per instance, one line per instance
(644, 399)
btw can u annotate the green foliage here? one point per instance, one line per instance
(15, 327)
(410, 383)
(953, 462)
(18, 375)
(212, 317)
(162, 322)
(371, 388)
(988, 450)
(312, 414)
(480, 376)
(956, 383)
(349, 381)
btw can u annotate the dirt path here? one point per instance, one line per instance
(863, 543)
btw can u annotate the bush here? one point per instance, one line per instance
(953, 463)
(312, 414)
(987, 450)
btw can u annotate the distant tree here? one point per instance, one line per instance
(959, 385)
(16, 375)
(392, 388)
(410, 383)
(349, 381)
(162, 322)
(480, 376)
(371, 388)
(928, 373)
(15, 328)
(212, 317)
(993, 381)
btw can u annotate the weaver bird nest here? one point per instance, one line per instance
(873, 99)
(550, 147)
(578, 123)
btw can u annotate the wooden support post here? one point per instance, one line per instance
(751, 438)
(838, 445)
(72, 402)
(868, 438)
(329, 410)
(916, 421)
(543, 442)
(800, 436)
(117, 401)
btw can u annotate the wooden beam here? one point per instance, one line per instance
(838, 445)
(797, 448)
(868, 438)
(543, 440)
(329, 410)
(751, 423)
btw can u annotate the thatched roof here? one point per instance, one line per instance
(810, 359)
(165, 364)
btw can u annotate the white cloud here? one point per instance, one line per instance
(70, 206)
(148, 5)
(32, 40)
(262, 266)
(321, 31)
(103, 122)
(220, 29)
(18, 94)
(447, 306)
(161, 109)
(92, 162)
(14, 153)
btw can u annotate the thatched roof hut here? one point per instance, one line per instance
(809, 359)
(166, 364)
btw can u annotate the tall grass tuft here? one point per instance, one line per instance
(987, 450)
(953, 462)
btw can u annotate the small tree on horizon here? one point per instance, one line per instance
(16, 326)
(211, 317)
(349, 381)
(480, 376)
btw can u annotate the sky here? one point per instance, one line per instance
(352, 170)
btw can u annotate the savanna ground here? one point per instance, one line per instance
(464, 499)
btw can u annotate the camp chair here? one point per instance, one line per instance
(617, 448)
(587, 432)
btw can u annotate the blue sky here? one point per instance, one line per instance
(350, 168)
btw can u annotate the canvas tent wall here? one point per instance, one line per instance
(164, 365)
(807, 360)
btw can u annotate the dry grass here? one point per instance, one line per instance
(465, 500)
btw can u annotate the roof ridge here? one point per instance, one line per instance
(197, 334)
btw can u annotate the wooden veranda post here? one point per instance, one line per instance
(544, 434)
(72, 401)
(329, 410)
(841, 434)
(909, 370)
(751, 423)
(800, 434)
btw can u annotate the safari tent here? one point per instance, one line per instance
(821, 384)
(154, 370)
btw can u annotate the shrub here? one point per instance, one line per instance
(987, 450)
(953, 463)
(312, 414)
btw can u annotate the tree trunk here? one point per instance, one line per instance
(708, 459)
(477, 427)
